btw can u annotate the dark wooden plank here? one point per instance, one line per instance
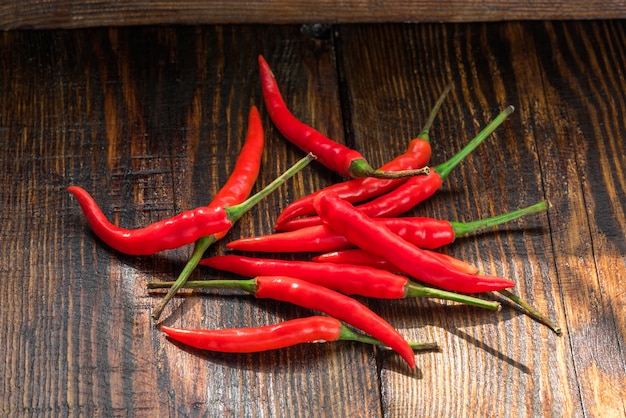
(150, 121)
(588, 150)
(394, 73)
(74, 14)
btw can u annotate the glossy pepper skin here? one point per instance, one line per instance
(182, 229)
(314, 329)
(345, 278)
(348, 279)
(257, 339)
(335, 156)
(427, 233)
(379, 240)
(398, 201)
(246, 171)
(359, 257)
(358, 190)
(338, 306)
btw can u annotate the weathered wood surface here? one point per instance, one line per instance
(80, 14)
(150, 120)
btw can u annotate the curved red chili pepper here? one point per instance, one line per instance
(331, 154)
(244, 175)
(426, 233)
(318, 238)
(314, 329)
(251, 340)
(355, 257)
(376, 239)
(182, 229)
(344, 308)
(319, 298)
(417, 155)
(346, 278)
(413, 191)
(363, 258)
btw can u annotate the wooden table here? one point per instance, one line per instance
(150, 120)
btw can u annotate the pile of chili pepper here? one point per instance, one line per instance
(357, 249)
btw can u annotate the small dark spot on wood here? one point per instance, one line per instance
(319, 31)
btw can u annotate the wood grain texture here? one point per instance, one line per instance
(80, 14)
(151, 119)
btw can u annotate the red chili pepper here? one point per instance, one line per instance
(173, 232)
(345, 278)
(359, 257)
(319, 298)
(243, 176)
(363, 258)
(355, 257)
(415, 190)
(251, 340)
(426, 233)
(182, 229)
(417, 155)
(377, 239)
(314, 329)
(331, 154)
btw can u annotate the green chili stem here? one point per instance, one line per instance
(531, 311)
(234, 213)
(199, 249)
(361, 168)
(445, 168)
(464, 228)
(246, 285)
(418, 290)
(347, 334)
(433, 114)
